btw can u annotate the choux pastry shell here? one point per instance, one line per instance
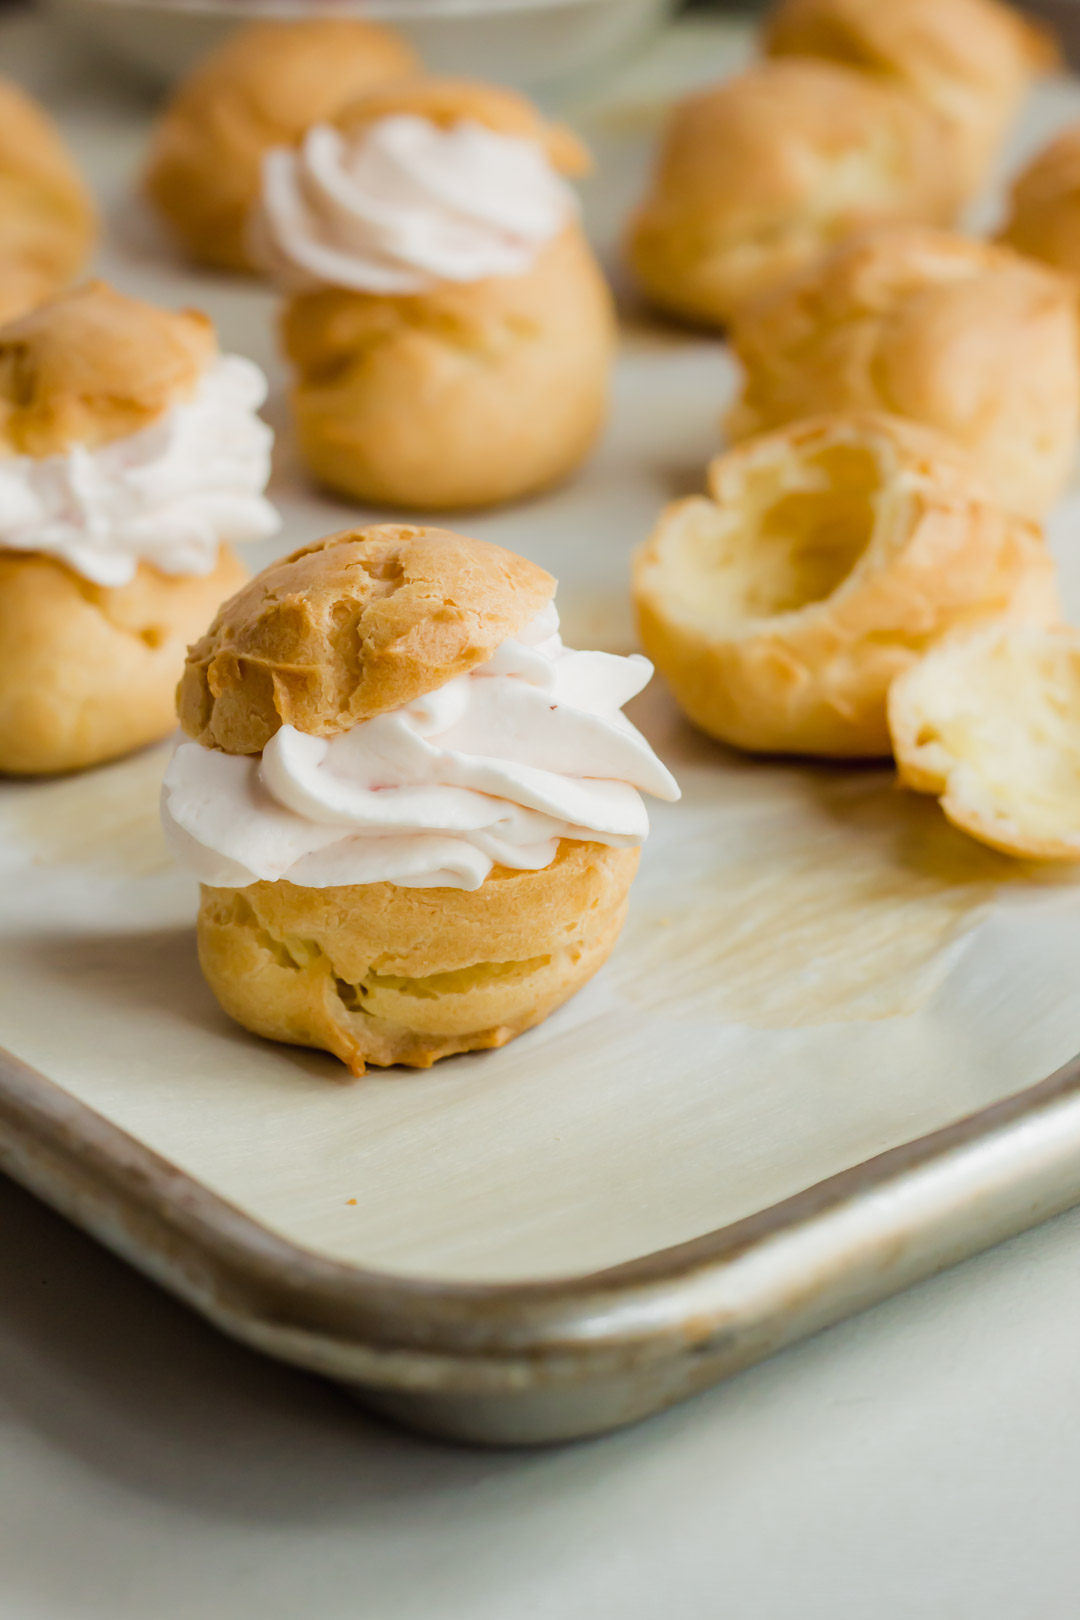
(964, 336)
(828, 557)
(263, 87)
(970, 61)
(48, 222)
(760, 175)
(990, 724)
(1044, 205)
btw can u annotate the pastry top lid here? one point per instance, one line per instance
(447, 102)
(351, 627)
(94, 366)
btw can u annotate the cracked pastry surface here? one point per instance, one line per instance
(457, 352)
(760, 175)
(970, 61)
(391, 804)
(263, 87)
(990, 724)
(130, 455)
(966, 337)
(830, 555)
(48, 222)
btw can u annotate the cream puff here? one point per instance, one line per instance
(48, 222)
(760, 175)
(131, 457)
(263, 87)
(963, 336)
(451, 332)
(1044, 205)
(415, 814)
(828, 557)
(970, 61)
(990, 724)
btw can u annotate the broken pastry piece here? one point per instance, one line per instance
(967, 337)
(830, 555)
(262, 88)
(970, 61)
(451, 333)
(762, 174)
(990, 724)
(131, 458)
(416, 816)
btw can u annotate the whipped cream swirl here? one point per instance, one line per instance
(491, 769)
(168, 495)
(404, 204)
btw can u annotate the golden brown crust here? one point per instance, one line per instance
(380, 974)
(1044, 215)
(88, 672)
(967, 337)
(468, 395)
(761, 174)
(970, 61)
(990, 724)
(832, 554)
(447, 102)
(94, 366)
(268, 83)
(47, 219)
(357, 624)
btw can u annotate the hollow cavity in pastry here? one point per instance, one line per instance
(48, 222)
(262, 88)
(760, 175)
(415, 814)
(990, 724)
(831, 554)
(966, 337)
(970, 61)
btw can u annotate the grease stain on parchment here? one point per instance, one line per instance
(852, 915)
(106, 818)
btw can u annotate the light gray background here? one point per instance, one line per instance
(918, 1463)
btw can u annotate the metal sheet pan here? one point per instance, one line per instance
(812, 1073)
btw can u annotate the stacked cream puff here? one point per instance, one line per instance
(415, 814)
(131, 458)
(267, 84)
(451, 333)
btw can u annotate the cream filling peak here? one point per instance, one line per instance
(168, 495)
(494, 768)
(404, 204)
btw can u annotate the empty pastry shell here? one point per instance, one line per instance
(831, 555)
(990, 723)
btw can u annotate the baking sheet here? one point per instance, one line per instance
(816, 967)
